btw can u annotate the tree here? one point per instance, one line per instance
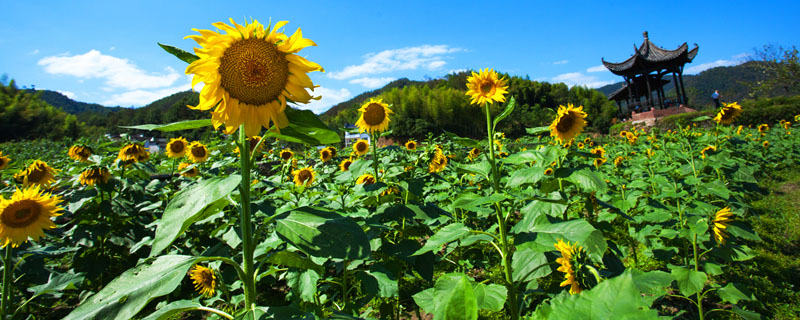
(781, 68)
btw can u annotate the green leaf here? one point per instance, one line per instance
(294, 260)
(466, 142)
(526, 156)
(746, 314)
(387, 283)
(701, 118)
(190, 205)
(490, 296)
(425, 300)
(124, 296)
(174, 308)
(732, 294)
(270, 313)
(482, 168)
(304, 283)
(451, 232)
(179, 53)
(472, 202)
(587, 180)
(577, 230)
(324, 233)
(175, 126)
(525, 176)
(58, 282)
(529, 264)
(305, 127)
(689, 281)
(506, 112)
(460, 302)
(537, 130)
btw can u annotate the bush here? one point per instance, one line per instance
(754, 112)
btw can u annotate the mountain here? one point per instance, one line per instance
(57, 99)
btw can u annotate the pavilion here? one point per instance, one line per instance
(644, 75)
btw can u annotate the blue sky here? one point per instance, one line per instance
(105, 51)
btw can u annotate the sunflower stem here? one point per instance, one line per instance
(374, 143)
(8, 272)
(244, 220)
(697, 269)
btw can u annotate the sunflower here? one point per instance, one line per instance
(26, 215)
(345, 164)
(618, 161)
(650, 153)
(486, 87)
(325, 154)
(366, 179)
(623, 133)
(787, 125)
(728, 113)
(569, 122)
(94, 175)
(566, 261)
(197, 152)
(765, 144)
(474, 154)
(502, 155)
(189, 173)
(304, 176)
(707, 149)
(250, 72)
(4, 161)
(438, 162)
(131, 153)
(739, 130)
(411, 145)
(204, 280)
(80, 153)
(632, 138)
(374, 116)
(763, 128)
(580, 145)
(548, 171)
(722, 219)
(176, 147)
(361, 147)
(286, 154)
(599, 150)
(599, 161)
(38, 173)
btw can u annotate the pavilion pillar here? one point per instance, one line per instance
(649, 90)
(630, 94)
(677, 88)
(683, 89)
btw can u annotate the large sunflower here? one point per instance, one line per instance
(80, 153)
(94, 175)
(326, 154)
(361, 147)
(4, 161)
(250, 72)
(728, 113)
(486, 87)
(204, 280)
(566, 262)
(38, 173)
(374, 116)
(176, 147)
(131, 153)
(569, 122)
(722, 219)
(197, 152)
(26, 215)
(304, 176)
(345, 164)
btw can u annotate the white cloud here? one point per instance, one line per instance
(141, 97)
(411, 58)
(599, 68)
(734, 60)
(454, 71)
(330, 97)
(35, 52)
(69, 94)
(117, 72)
(561, 62)
(112, 48)
(579, 79)
(371, 82)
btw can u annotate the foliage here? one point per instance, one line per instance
(754, 113)
(781, 69)
(24, 115)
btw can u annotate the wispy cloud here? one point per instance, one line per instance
(561, 62)
(35, 52)
(330, 97)
(117, 72)
(733, 61)
(371, 82)
(69, 94)
(580, 79)
(599, 68)
(430, 57)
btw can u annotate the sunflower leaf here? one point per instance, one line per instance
(175, 126)
(505, 113)
(305, 127)
(537, 131)
(187, 57)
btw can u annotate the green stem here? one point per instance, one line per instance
(344, 284)
(697, 269)
(490, 134)
(245, 223)
(8, 273)
(374, 144)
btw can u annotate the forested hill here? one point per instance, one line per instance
(728, 80)
(56, 99)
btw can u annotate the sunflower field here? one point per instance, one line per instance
(276, 219)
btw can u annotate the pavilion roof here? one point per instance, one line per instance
(649, 57)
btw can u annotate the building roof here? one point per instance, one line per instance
(649, 57)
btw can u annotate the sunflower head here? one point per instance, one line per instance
(707, 150)
(80, 153)
(548, 171)
(205, 280)
(366, 179)
(411, 145)
(26, 215)
(304, 176)
(721, 220)
(374, 116)
(474, 154)
(286, 154)
(728, 113)
(345, 164)
(566, 262)
(176, 147)
(197, 152)
(94, 175)
(486, 87)
(787, 125)
(361, 147)
(38, 173)
(185, 171)
(599, 162)
(632, 137)
(765, 144)
(618, 161)
(4, 160)
(569, 122)
(763, 128)
(599, 150)
(438, 162)
(580, 145)
(326, 154)
(250, 72)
